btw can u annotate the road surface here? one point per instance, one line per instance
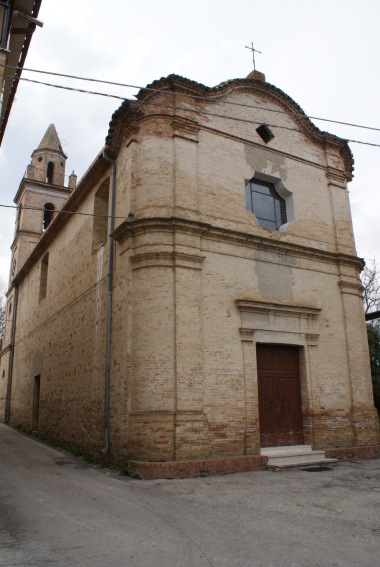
(57, 511)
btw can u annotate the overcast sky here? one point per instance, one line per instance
(324, 54)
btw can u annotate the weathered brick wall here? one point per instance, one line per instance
(183, 361)
(61, 337)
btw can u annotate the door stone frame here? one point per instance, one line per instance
(280, 324)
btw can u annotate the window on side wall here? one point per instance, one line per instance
(266, 204)
(50, 172)
(48, 215)
(100, 218)
(44, 276)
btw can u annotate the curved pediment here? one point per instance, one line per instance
(131, 111)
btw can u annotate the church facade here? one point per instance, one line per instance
(203, 303)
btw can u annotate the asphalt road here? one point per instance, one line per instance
(57, 511)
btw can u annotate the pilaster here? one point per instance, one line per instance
(167, 421)
(364, 417)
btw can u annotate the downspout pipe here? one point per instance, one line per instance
(107, 377)
(7, 415)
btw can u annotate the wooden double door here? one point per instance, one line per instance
(280, 409)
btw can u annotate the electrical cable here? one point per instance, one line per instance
(202, 98)
(60, 310)
(58, 212)
(194, 111)
(44, 170)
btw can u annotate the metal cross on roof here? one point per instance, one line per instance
(253, 54)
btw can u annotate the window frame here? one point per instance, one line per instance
(49, 210)
(280, 212)
(44, 269)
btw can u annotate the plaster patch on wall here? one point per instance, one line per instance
(275, 276)
(258, 160)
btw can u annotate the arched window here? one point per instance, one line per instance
(100, 219)
(48, 214)
(44, 275)
(266, 204)
(50, 172)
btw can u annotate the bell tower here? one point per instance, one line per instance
(49, 160)
(41, 194)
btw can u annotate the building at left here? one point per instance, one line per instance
(18, 21)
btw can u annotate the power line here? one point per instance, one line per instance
(72, 88)
(61, 309)
(44, 170)
(196, 97)
(60, 212)
(192, 110)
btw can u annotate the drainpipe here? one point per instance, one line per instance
(10, 362)
(107, 376)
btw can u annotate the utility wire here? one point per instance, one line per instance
(60, 212)
(202, 98)
(44, 170)
(191, 110)
(60, 310)
(72, 88)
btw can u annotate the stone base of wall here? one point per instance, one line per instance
(354, 453)
(365, 426)
(332, 431)
(149, 470)
(359, 428)
(151, 435)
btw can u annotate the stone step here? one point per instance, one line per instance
(299, 462)
(295, 457)
(287, 451)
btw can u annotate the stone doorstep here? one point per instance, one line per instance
(298, 463)
(295, 457)
(287, 451)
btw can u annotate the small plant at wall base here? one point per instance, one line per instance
(61, 446)
(374, 354)
(370, 279)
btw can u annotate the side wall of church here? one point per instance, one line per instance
(60, 336)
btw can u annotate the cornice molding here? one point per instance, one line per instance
(352, 288)
(177, 84)
(23, 232)
(285, 309)
(124, 124)
(134, 227)
(167, 259)
(336, 177)
(185, 129)
(40, 187)
(190, 134)
(312, 339)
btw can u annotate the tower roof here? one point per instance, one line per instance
(50, 141)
